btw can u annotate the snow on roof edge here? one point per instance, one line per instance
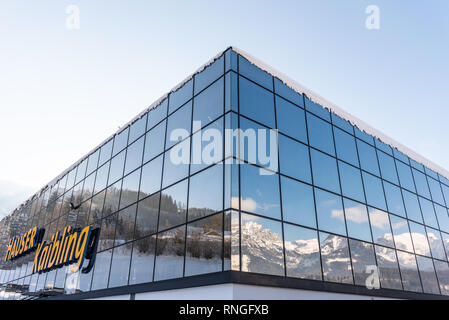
(362, 125)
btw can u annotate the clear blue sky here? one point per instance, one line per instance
(63, 91)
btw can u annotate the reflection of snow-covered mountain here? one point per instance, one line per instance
(262, 251)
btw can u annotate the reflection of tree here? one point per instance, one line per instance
(171, 242)
(205, 238)
(172, 212)
(146, 222)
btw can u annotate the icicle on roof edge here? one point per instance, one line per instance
(292, 84)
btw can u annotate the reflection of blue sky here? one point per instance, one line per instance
(263, 189)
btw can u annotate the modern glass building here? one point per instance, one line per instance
(240, 184)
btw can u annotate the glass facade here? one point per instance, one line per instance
(336, 202)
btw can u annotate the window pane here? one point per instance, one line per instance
(317, 109)
(147, 214)
(204, 246)
(173, 206)
(176, 165)
(154, 142)
(116, 170)
(134, 156)
(287, 93)
(405, 176)
(342, 124)
(124, 230)
(93, 162)
(362, 255)
(208, 105)
(207, 146)
(260, 191)
(112, 198)
(428, 213)
(409, 272)
(384, 147)
(351, 182)
(121, 259)
(401, 233)
(302, 253)
(181, 96)
(256, 102)
(387, 168)
(101, 178)
(380, 226)
(87, 188)
(81, 172)
(374, 191)
(330, 212)
(320, 134)
(101, 271)
(419, 238)
(151, 177)
(96, 209)
(388, 268)
(142, 261)
(209, 75)
(435, 190)
(120, 141)
(231, 96)
(137, 129)
(345, 145)
(297, 203)
(421, 184)
(436, 244)
(130, 189)
(428, 276)
(445, 237)
(368, 157)
(357, 220)
(335, 258)
(442, 270)
(394, 199)
(107, 233)
(105, 152)
(261, 246)
(208, 182)
(170, 254)
(443, 219)
(363, 136)
(294, 159)
(157, 114)
(412, 206)
(291, 120)
(325, 174)
(180, 120)
(252, 72)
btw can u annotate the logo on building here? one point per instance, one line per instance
(72, 247)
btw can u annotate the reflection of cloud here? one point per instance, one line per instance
(379, 219)
(355, 214)
(398, 225)
(337, 214)
(248, 204)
